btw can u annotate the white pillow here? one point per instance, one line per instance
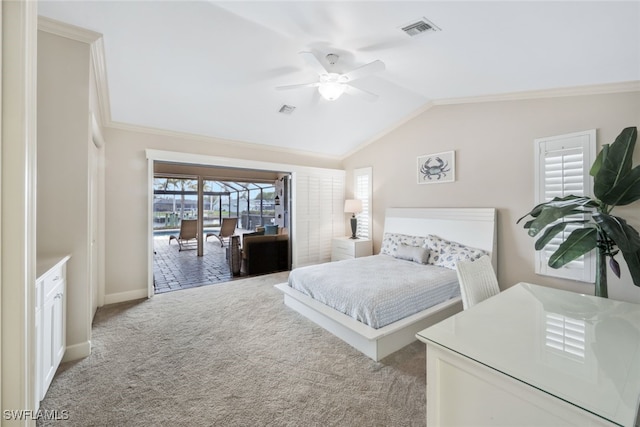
(417, 254)
(391, 241)
(444, 253)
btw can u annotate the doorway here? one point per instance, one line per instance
(210, 196)
(315, 203)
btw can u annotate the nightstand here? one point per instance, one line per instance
(347, 248)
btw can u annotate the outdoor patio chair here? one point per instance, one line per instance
(227, 229)
(188, 237)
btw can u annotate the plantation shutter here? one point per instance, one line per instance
(362, 191)
(318, 202)
(562, 169)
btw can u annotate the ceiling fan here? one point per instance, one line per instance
(332, 85)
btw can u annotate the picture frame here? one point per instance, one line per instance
(436, 168)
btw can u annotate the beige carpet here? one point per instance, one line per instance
(231, 355)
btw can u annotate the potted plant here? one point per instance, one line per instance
(616, 183)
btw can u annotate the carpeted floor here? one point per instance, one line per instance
(231, 355)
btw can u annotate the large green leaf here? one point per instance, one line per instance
(597, 164)
(534, 213)
(549, 215)
(633, 262)
(552, 231)
(558, 202)
(527, 225)
(615, 164)
(567, 200)
(626, 191)
(578, 243)
(556, 209)
(625, 236)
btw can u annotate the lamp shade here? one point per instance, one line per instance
(353, 206)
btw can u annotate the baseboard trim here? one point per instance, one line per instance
(77, 351)
(125, 296)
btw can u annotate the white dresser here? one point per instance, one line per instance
(348, 248)
(50, 319)
(533, 355)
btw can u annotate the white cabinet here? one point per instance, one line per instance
(50, 320)
(348, 248)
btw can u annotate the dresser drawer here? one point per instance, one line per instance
(346, 248)
(53, 278)
(342, 248)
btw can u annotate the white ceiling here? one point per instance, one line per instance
(211, 68)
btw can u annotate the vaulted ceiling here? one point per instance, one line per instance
(211, 68)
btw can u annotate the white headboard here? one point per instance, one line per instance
(475, 227)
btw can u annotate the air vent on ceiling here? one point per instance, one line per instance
(423, 25)
(286, 109)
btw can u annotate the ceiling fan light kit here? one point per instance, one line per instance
(331, 88)
(332, 85)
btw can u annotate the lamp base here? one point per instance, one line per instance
(354, 227)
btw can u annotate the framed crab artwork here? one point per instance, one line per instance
(437, 168)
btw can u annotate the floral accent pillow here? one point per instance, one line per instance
(391, 241)
(446, 254)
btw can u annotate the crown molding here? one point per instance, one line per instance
(228, 142)
(630, 86)
(69, 31)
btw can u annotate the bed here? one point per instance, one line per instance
(385, 334)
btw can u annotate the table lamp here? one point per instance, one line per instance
(353, 206)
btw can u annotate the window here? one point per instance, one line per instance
(176, 198)
(362, 191)
(562, 169)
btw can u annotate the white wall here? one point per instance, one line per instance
(63, 169)
(494, 167)
(126, 196)
(494, 149)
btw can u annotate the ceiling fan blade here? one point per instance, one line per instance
(365, 70)
(315, 84)
(360, 93)
(314, 62)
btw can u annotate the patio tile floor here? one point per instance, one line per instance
(174, 269)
